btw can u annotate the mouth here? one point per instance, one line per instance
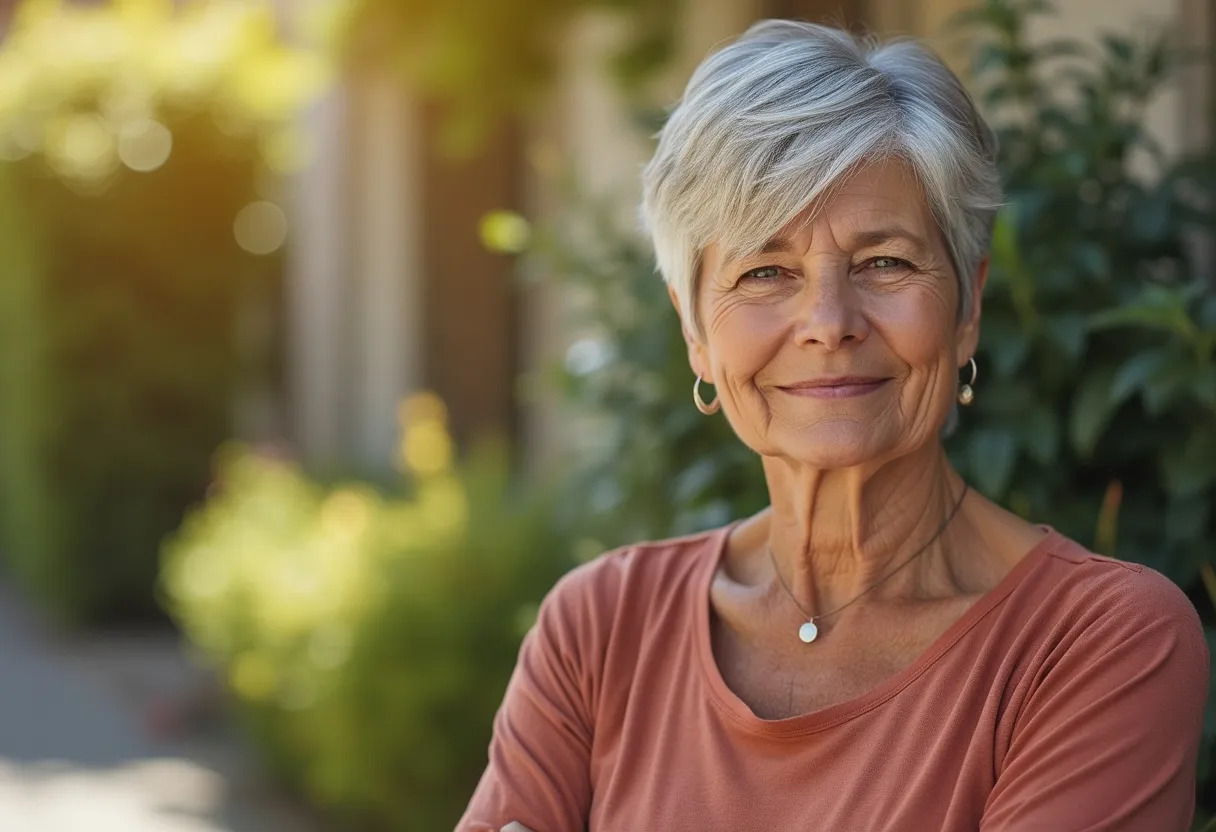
(841, 387)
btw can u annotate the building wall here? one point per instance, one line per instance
(355, 281)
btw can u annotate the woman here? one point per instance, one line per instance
(881, 648)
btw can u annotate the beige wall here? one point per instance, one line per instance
(354, 275)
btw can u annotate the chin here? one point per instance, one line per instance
(836, 445)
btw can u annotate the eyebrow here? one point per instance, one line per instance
(863, 239)
(878, 236)
(776, 244)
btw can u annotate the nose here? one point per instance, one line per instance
(829, 312)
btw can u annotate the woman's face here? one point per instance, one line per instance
(840, 343)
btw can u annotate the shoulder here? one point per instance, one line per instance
(1110, 587)
(593, 621)
(635, 579)
(1101, 606)
(652, 569)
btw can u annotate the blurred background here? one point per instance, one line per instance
(328, 342)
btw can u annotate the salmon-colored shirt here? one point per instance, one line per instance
(1069, 697)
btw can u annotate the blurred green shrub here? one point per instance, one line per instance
(1096, 403)
(132, 135)
(369, 633)
(647, 463)
(1098, 356)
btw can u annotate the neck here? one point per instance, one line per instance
(835, 533)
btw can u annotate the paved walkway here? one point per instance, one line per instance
(91, 738)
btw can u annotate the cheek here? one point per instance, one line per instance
(743, 339)
(916, 326)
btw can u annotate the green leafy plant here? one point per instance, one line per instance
(649, 464)
(369, 634)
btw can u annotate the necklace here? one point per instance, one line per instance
(808, 632)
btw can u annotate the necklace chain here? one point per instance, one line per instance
(811, 618)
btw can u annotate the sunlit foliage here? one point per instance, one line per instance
(369, 632)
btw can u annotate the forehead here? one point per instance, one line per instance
(883, 195)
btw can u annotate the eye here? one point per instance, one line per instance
(887, 264)
(762, 273)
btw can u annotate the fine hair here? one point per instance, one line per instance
(782, 115)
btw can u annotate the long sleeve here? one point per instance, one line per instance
(539, 757)
(1108, 739)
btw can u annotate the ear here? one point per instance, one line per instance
(698, 358)
(969, 328)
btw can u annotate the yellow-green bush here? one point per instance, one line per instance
(133, 135)
(370, 635)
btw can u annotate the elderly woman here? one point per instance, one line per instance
(882, 648)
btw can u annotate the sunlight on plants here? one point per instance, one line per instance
(369, 631)
(82, 84)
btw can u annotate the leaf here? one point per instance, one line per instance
(992, 452)
(1187, 517)
(1040, 433)
(990, 56)
(1060, 48)
(1207, 312)
(1068, 332)
(1004, 239)
(1092, 409)
(1135, 372)
(997, 95)
(1166, 386)
(1172, 318)
(1094, 259)
(1006, 345)
(1151, 217)
(1190, 467)
(1204, 386)
(1121, 49)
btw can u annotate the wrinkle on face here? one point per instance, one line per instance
(833, 298)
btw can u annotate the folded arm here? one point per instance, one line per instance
(538, 773)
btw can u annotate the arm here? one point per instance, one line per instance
(538, 772)
(1108, 739)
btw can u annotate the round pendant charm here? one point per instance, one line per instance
(807, 632)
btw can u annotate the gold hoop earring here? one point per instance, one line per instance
(966, 393)
(708, 409)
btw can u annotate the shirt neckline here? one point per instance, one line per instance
(736, 710)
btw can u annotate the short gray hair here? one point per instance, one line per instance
(780, 116)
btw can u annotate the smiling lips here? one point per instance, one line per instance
(841, 387)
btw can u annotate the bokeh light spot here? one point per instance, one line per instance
(505, 232)
(82, 146)
(346, 513)
(422, 407)
(145, 145)
(253, 677)
(428, 448)
(260, 227)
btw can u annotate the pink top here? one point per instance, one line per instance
(1069, 697)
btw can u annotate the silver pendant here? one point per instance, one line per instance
(807, 632)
